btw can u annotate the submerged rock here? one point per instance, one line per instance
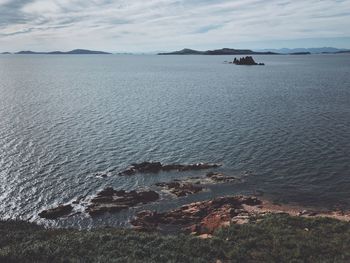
(110, 200)
(221, 178)
(181, 188)
(195, 185)
(190, 167)
(147, 167)
(57, 212)
(155, 167)
(201, 217)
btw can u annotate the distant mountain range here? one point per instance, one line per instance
(283, 51)
(322, 50)
(223, 51)
(72, 52)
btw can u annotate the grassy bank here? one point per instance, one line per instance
(277, 238)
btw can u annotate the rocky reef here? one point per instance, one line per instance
(110, 200)
(107, 200)
(156, 167)
(248, 61)
(195, 185)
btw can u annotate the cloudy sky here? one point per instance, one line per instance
(160, 25)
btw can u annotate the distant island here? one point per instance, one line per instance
(187, 51)
(246, 61)
(306, 51)
(223, 51)
(282, 51)
(300, 53)
(343, 52)
(72, 52)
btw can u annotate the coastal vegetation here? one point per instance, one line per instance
(272, 238)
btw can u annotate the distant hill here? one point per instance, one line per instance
(184, 51)
(343, 51)
(5, 53)
(72, 52)
(300, 53)
(223, 51)
(27, 52)
(322, 50)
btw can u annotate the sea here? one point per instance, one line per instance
(70, 123)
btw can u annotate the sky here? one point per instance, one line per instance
(163, 25)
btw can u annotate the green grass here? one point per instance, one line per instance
(276, 238)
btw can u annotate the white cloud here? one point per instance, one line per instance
(166, 24)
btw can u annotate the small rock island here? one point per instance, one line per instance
(248, 61)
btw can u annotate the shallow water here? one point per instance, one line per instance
(65, 118)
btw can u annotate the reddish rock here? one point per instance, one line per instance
(201, 217)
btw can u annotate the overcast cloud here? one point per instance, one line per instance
(146, 25)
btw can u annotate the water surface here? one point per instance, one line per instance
(65, 118)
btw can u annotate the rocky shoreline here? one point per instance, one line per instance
(198, 218)
(204, 218)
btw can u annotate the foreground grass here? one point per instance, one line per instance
(277, 238)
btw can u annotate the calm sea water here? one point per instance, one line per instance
(64, 119)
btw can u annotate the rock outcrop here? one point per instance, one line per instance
(248, 61)
(57, 212)
(110, 200)
(201, 217)
(156, 167)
